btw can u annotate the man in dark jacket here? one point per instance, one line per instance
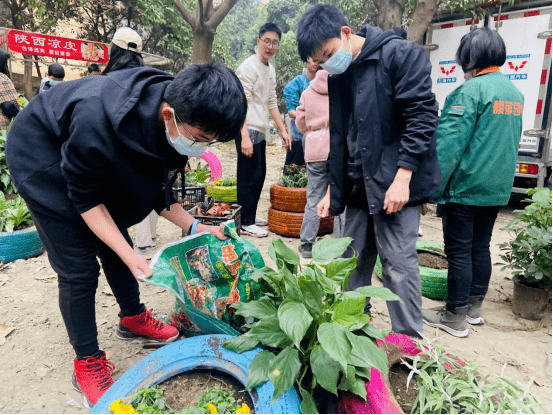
(382, 161)
(93, 157)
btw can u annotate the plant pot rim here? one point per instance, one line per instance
(516, 280)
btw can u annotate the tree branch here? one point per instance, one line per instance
(188, 18)
(422, 16)
(220, 13)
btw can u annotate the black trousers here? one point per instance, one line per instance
(467, 234)
(295, 155)
(72, 251)
(250, 177)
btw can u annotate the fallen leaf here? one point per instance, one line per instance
(539, 382)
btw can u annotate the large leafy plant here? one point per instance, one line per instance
(315, 332)
(6, 184)
(200, 175)
(529, 254)
(14, 214)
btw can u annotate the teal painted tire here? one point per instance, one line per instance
(21, 244)
(202, 352)
(433, 281)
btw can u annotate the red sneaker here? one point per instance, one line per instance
(92, 377)
(146, 327)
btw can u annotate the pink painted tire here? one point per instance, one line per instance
(214, 165)
(380, 399)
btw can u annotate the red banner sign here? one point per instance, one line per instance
(38, 44)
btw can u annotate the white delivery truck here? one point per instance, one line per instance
(526, 29)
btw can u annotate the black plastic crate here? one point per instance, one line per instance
(214, 220)
(189, 196)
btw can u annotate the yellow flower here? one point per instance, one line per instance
(212, 408)
(120, 407)
(245, 409)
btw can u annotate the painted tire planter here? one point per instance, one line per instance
(201, 352)
(21, 244)
(222, 193)
(214, 165)
(289, 223)
(433, 281)
(288, 199)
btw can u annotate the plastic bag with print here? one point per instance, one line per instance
(206, 276)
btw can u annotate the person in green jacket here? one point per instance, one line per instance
(477, 142)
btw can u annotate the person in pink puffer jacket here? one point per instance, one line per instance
(312, 117)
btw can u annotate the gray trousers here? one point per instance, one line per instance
(317, 183)
(146, 230)
(393, 237)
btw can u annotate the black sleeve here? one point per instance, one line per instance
(413, 97)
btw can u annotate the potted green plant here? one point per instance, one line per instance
(528, 255)
(18, 240)
(223, 189)
(288, 198)
(315, 333)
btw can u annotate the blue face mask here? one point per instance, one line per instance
(185, 146)
(339, 61)
(53, 83)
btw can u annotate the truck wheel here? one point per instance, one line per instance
(201, 352)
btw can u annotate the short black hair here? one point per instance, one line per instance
(317, 25)
(56, 70)
(94, 67)
(209, 96)
(4, 58)
(270, 27)
(481, 48)
(120, 58)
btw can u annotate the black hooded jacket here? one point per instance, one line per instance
(96, 140)
(384, 102)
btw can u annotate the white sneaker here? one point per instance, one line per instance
(420, 231)
(261, 222)
(254, 230)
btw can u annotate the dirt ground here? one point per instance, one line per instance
(36, 360)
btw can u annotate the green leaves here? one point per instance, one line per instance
(263, 308)
(268, 332)
(328, 249)
(258, 371)
(240, 344)
(283, 371)
(365, 353)
(378, 292)
(350, 311)
(294, 320)
(325, 369)
(334, 341)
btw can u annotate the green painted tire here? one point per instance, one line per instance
(21, 244)
(433, 281)
(222, 193)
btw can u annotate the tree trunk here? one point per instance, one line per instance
(389, 13)
(28, 77)
(202, 46)
(421, 19)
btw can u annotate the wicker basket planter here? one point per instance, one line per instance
(222, 193)
(21, 244)
(433, 281)
(289, 223)
(288, 199)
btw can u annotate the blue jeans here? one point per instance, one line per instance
(317, 184)
(467, 234)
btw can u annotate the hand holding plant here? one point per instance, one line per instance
(315, 333)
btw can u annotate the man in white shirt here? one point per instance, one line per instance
(258, 78)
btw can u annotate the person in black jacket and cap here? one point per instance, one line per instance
(93, 157)
(382, 162)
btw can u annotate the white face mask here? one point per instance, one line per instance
(183, 145)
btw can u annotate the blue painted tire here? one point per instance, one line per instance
(21, 244)
(202, 352)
